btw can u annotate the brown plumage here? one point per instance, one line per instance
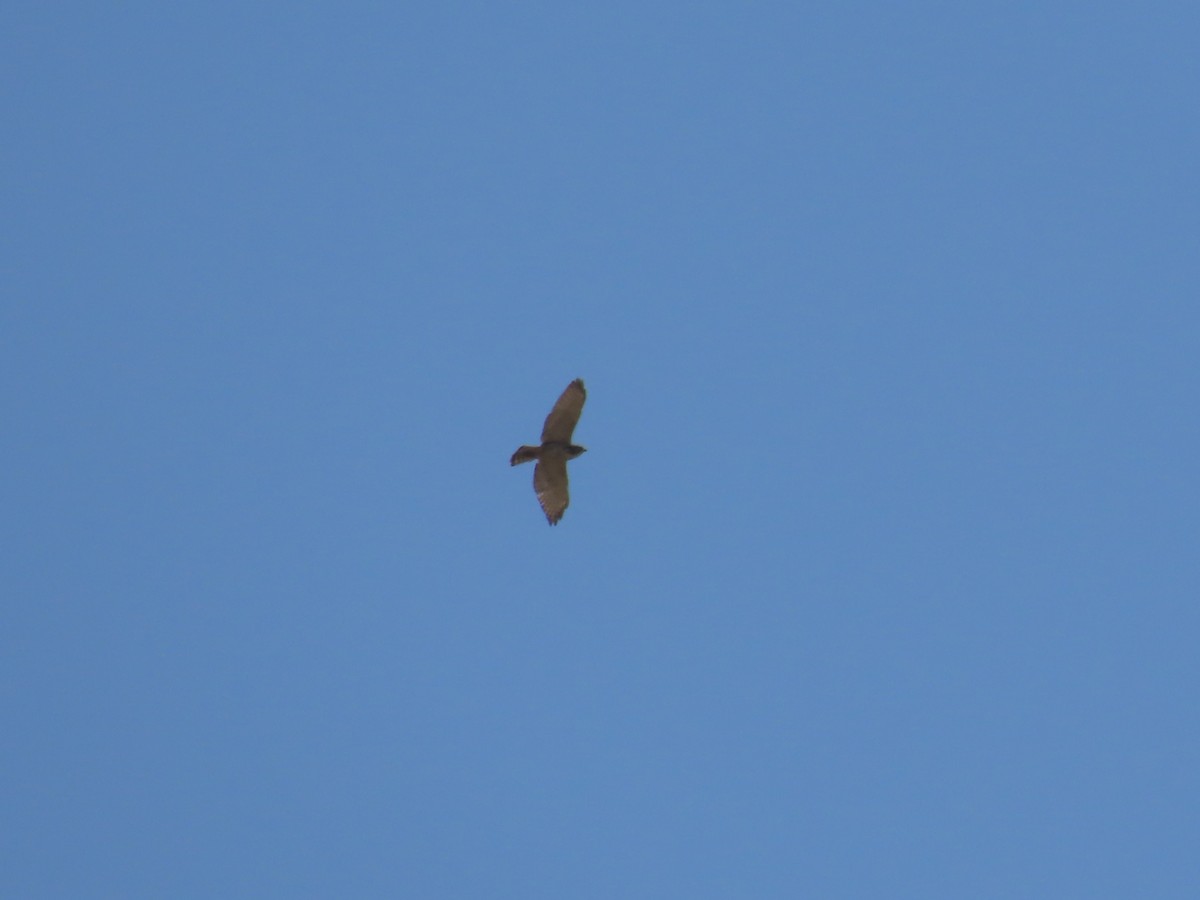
(550, 473)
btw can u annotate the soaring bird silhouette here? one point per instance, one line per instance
(550, 473)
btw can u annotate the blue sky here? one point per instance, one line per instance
(879, 577)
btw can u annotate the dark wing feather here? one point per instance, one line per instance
(560, 424)
(550, 482)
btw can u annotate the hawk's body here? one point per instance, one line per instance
(550, 473)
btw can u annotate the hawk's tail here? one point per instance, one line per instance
(525, 454)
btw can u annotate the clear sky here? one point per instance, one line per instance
(880, 575)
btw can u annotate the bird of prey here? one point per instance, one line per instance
(550, 473)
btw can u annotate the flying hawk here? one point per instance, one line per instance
(550, 473)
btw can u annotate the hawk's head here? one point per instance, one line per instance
(574, 450)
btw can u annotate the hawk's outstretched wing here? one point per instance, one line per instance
(550, 483)
(560, 424)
